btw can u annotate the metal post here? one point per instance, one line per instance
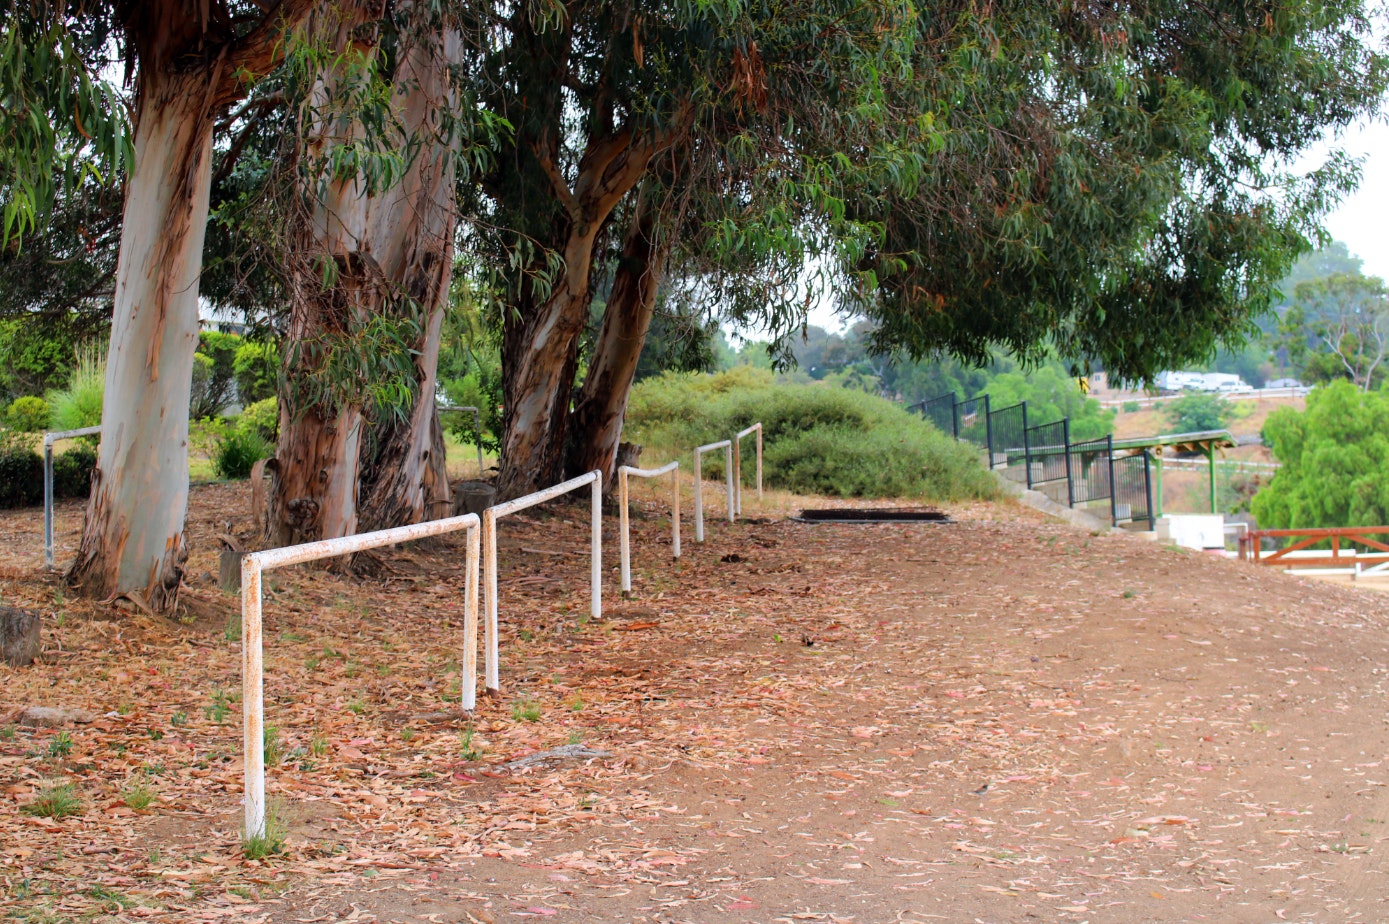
(1113, 507)
(491, 669)
(47, 502)
(1148, 489)
(759, 461)
(955, 417)
(1157, 476)
(1026, 450)
(989, 431)
(728, 477)
(738, 475)
(1210, 458)
(470, 595)
(252, 699)
(1066, 442)
(675, 510)
(698, 500)
(595, 604)
(624, 542)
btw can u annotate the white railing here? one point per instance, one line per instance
(624, 522)
(252, 659)
(489, 556)
(738, 463)
(477, 428)
(48, 440)
(727, 447)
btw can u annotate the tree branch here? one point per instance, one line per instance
(546, 159)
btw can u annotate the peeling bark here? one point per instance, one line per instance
(190, 67)
(316, 458)
(404, 480)
(595, 426)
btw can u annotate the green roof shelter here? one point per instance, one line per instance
(1205, 442)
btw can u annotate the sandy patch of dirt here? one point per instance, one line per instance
(999, 719)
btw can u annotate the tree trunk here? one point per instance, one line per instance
(132, 541)
(317, 456)
(540, 355)
(540, 341)
(404, 477)
(596, 424)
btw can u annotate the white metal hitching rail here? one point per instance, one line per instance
(626, 540)
(477, 428)
(252, 660)
(738, 463)
(727, 447)
(489, 556)
(48, 440)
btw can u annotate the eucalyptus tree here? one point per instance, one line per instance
(187, 62)
(384, 133)
(612, 105)
(1114, 180)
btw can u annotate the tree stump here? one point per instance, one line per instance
(473, 497)
(627, 454)
(19, 636)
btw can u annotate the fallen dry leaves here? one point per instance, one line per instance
(800, 723)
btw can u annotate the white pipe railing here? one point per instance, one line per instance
(489, 556)
(252, 659)
(738, 463)
(626, 541)
(727, 447)
(477, 428)
(48, 440)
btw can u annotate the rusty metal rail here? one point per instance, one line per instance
(673, 468)
(1343, 540)
(252, 657)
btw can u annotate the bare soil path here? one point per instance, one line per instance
(999, 719)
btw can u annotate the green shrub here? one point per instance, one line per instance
(261, 418)
(72, 471)
(237, 452)
(257, 369)
(1131, 407)
(1198, 412)
(29, 414)
(79, 405)
(21, 472)
(818, 439)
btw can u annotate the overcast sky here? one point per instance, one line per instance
(1361, 221)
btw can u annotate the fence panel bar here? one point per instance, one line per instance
(253, 566)
(625, 541)
(727, 447)
(489, 556)
(48, 440)
(738, 463)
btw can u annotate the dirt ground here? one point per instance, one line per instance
(999, 719)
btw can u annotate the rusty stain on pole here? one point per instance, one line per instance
(624, 521)
(255, 564)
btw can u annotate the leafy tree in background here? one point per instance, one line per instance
(1198, 412)
(1335, 457)
(214, 374)
(1349, 315)
(256, 367)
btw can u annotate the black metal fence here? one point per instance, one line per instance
(1132, 497)
(972, 421)
(940, 411)
(1089, 462)
(1044, 454)
(1048, 452)
(1008, 440)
